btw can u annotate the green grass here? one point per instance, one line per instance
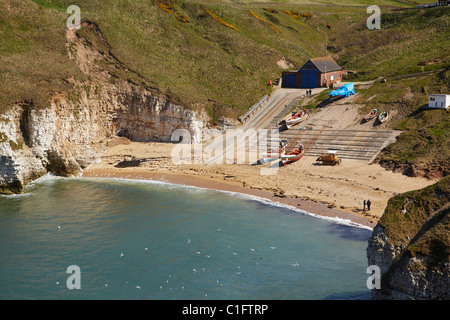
(406, 40)
(417, 224)
(33, 59)
(197, 64)
(421, 216)
(426, 135)
(204, 64)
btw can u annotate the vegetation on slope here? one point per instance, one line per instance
(407, 213)
(220, 57)
(419, 222)
(409, 42)
(422, 148)
(176, 46)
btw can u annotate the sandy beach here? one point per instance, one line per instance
(329, 191)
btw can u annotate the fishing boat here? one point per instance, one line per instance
(296, 118)
(294, 155)
(383, 117)
(372, 114)
(272, 155)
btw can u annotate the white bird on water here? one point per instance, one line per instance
(121, 255)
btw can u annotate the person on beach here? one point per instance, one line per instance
(368, 205)
(364, 209)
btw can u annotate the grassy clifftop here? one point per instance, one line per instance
(218, 56)
(419, 222)
(221, 56)
(406, 215)
(414, 232)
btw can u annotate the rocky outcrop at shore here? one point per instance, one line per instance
(75, 128)
(70, 135)
(433, 170)
(411, 245)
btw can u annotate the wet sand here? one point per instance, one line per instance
(334, 192)
(296, 202)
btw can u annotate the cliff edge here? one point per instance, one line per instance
(411, 245)
(77, 126)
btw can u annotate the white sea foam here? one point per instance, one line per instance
(194, 189)
(341, 221)
(13, 196)
(46, 179)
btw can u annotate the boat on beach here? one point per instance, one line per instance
(272, 155)
(296, 118)
(295, 155)
(383, 117)
(372, 114)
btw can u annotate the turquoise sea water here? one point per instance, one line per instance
(146, 240)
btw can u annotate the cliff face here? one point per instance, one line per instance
(69, 136)
(71, 133)
(411, 245)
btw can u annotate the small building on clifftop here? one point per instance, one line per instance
(439, 101)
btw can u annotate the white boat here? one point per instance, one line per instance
(296, 118)
(272, 155)
(383, 117)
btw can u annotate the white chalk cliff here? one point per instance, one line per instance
(73, 130)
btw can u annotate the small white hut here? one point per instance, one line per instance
(439, 101)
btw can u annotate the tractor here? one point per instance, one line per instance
(330, 158)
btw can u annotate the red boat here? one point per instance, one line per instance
(372, 114)
(296, 118)
(275, 154)
(294, 155)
